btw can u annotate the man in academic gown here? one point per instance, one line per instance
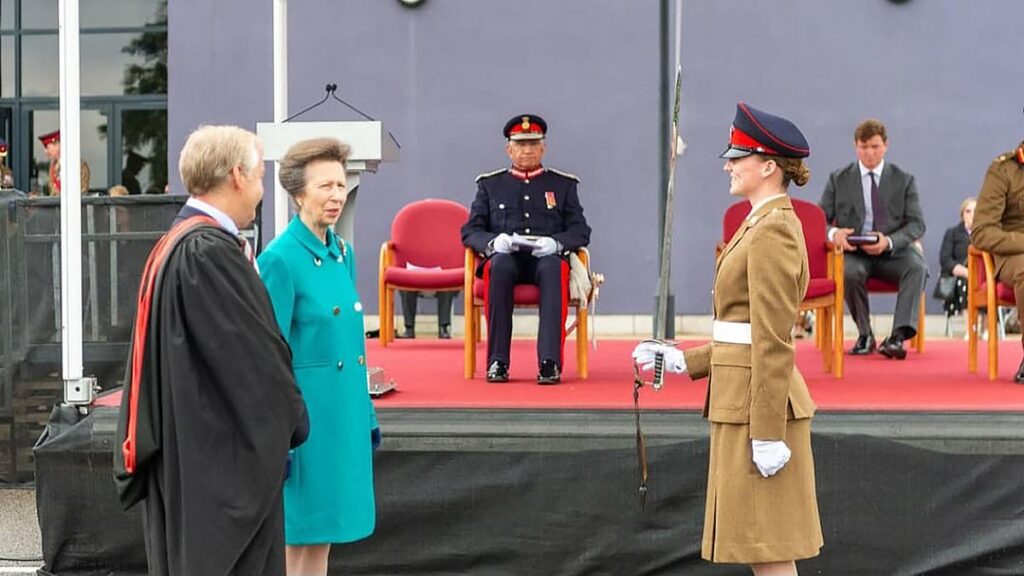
(211, 407)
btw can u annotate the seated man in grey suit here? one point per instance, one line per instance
(873, 213)
(444, 313)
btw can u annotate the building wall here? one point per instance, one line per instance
(444, 77)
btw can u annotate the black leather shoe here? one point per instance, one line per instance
(497, 372)
(892, 347)
(1019, 377)
(407, 334)
(444, 332)
(550, 373)
(865, 345)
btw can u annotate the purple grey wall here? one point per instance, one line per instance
(942, 74)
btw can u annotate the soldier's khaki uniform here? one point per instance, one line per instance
(999, 222)
(55, 178)
(756, 392)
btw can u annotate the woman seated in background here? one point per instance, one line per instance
(952, 285)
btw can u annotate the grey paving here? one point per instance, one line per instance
(19, 529)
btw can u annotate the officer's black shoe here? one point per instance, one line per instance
(444, 332)
(892, 347)
(406, 334)
(1019, 377)
(865, 345)
(497, 372)
(550, 373)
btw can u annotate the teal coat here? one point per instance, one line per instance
(328, 498)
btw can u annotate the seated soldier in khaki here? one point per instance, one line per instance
(999, 224)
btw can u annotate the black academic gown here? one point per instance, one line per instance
(218, 409)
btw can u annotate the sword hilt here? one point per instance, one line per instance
(659, 370)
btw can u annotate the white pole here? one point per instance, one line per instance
(76, 390)
(679, 32)
(280, 104)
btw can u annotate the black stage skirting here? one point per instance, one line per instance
(555, 493)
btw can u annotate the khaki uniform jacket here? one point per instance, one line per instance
(84, 174)
(999, 214)
(761, 279)
(756, 392)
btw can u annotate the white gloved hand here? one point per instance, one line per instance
(645, 351)
(502, 243)
(770, 456)
(546, 246)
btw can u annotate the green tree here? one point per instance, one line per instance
(147, 129)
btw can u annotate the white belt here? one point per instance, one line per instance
(730, 332)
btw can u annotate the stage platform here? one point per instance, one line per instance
(510, 479)
(429, 374)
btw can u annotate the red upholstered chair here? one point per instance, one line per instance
(523, 296)
(882, 287)
(984, 292)
(825, 287)
(424, 254)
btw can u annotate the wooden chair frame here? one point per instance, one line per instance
(474, 319)
(978, 298)
(386, 294)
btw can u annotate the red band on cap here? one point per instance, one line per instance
(744, 140)
(531, 128)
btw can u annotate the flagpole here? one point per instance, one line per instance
(77, 390)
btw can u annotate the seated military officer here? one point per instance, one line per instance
(524, 221)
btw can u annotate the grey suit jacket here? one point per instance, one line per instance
(843, 203)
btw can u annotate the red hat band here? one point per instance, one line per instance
(525, 127)
(741, 139)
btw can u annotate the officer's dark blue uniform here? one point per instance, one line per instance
(529, 200)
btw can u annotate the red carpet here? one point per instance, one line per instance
(429, 375)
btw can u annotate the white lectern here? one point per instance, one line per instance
(371, 144)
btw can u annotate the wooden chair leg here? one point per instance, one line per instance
(820, 315)
(837, 339)
(468, 337)
(824, 328)
(581, 343)
(382, 306)
(972, 340)
(992, 318)
(919, 338)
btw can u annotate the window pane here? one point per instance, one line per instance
(144, 141)
(121, 13)
(7, 67)
(95, 13)
(40, 71)
(114, 64)
(7, 14)
(94, 148)
(39, 14)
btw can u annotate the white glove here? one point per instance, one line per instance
(644, 353)
(546, 246)
(502, 243)
(770, 456)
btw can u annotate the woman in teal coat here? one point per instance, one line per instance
(310, 274)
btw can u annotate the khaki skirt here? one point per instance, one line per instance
(749, 519)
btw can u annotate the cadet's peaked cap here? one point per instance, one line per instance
(3, 147)
(50, 137)
(757, 132)
(525, 127)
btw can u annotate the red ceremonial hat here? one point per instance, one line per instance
(50, 137)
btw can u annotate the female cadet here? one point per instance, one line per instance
(761, 507)
(310, 275)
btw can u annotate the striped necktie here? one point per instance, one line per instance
(247, 250)
(877, 210)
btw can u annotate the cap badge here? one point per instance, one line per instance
(526, 123)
